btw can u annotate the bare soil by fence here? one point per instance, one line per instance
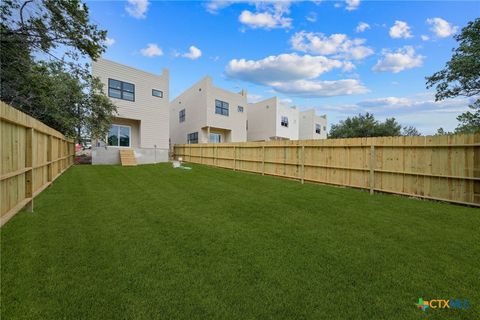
(32, 156)
(433, 167)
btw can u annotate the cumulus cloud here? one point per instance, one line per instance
(424, 37)
(400, 29)
(137, 8)
(296, 75)
(281, 68)
(352, 4)
(265, 20)
(335, 44)
(362, 26)
(216, 5)
(320, 88)
(441, 27)
(109, 41)
(193, 53)
(152, 50)
(399, 60)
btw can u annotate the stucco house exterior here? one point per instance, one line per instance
(312, 126)
(206, 113)
(271, 120)
(142, 101)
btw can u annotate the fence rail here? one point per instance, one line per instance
(443, 168)
(33, 155)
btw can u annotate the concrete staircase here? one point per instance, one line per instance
(127, 157)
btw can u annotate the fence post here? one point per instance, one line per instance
(303, 164)
(234, 158)
(50, 158)
(215, 156)
(372, 169)
(263, 160)
(29, 164)
(201, 154)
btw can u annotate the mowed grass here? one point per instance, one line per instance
(153, 242)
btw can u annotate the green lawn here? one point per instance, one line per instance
(153, 242)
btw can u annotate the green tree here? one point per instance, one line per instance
(410, 131)
(365, 126)
(58, 91)
(461, 76)
(442, 132)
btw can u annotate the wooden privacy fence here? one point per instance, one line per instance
(434, 167)
(32, 156)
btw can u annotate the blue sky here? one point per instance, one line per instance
(340, 57)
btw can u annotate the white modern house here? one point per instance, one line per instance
(312, 126)
(205, 113)
(271, 120)
(142, 123)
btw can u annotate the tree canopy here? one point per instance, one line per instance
(461, 76)
(42, 46)
(367, 126)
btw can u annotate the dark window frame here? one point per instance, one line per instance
(156, 90)
(192, 138)
(240, 109)
(182, 115)
(318, 128)
(222, 108)
(122, 89)
(284, 121)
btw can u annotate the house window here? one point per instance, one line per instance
(318, 128)
(157, 93)
(121, 90)
(240, 109)
(119, 136)
(284, 121)
(181, 115)
(192, 138)
(215, 138)
(324, 128)
(221, 107)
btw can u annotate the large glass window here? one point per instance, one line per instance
(181, 115)
(157, 93)
(121, 90)
(119, 136)
(192, 138)
(215, 138)
(318, 128)
(221, 107)
(284, 121)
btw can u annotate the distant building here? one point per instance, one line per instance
(312, 126)
(206, 113)
(141, 124)
(270, 120)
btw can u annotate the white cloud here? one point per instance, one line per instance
(352, 4)
(193, 53)
(268, 15)
(312, 17)
(424, 37)
(338, 44)
(400, 29)
(296, 75)
(109, 41)
(137, 8)
(362, 26)
(265, 20)
(152, 50)
(319, 88)
(281, 68)
(399, 60)
(441, 27)
(216, 5)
